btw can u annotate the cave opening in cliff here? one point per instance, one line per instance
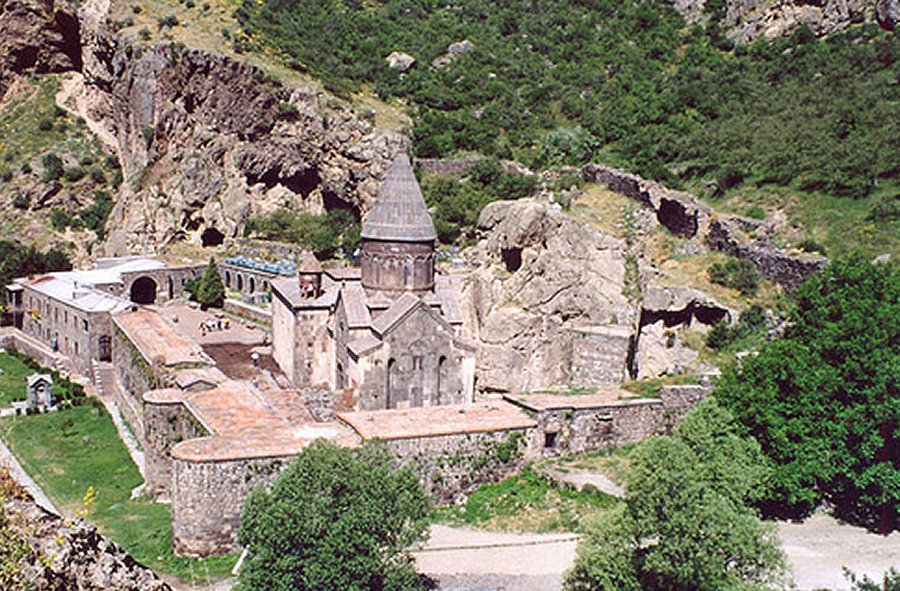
(331, 202)
(143, 291)
(212, 237)
(512, 258)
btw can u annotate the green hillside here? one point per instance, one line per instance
(570, 81)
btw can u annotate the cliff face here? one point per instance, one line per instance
(37, 37)
(206, 141)
(746, 20)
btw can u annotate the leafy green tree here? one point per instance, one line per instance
(686, 523)
(337, 519)
(210, 290)
(739, 274)
(823, 401)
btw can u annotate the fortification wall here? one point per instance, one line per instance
(450, 465)
(685, 215)
(166, 424)
(207, 498)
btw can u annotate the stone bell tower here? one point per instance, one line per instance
(398, 235)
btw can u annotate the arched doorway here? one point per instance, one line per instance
(240, 283)
(252, 285)
(143, 290)
(227, 278)
(104, 348)
(171, 289)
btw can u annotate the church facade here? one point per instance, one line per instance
(386, 334)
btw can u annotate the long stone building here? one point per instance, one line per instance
(388, 334)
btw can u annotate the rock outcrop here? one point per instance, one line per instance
(37, 37)
(747, 20)
(542, 275)
(685, 215)
(66, 555)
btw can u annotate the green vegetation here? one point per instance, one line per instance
(17, 260)
(12, 380)
(207, 289)
(572, 81)
(15, 553)
(325, 234)
(336, 519)
(747, 333)
(527, 502)
(685, 522)
(69, 451)
(457, 203)
(823, 401)
(890, 581)
(739, 274)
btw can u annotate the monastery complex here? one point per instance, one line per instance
(348, 354)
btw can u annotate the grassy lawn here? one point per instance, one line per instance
(526, 503)
(12, 380)
(68, 452)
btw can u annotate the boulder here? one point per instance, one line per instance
(400, 61)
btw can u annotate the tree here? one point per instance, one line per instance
(210, 291)
(823, 402)
(337, 519)
(686, 523)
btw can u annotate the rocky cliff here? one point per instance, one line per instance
(206, 141)
(747, 20)
(44, 552)
(539, 275)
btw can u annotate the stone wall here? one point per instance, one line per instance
(452, 465)
(134, 376)
(207, 498)
(599, 356)
(685, 215)
(166, 423)
(170, 281)
(789, 271)
(565, 430)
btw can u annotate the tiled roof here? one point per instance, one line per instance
(392, 315)
(355, 304)
(399, 213)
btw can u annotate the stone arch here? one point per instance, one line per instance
(143, 290)
(227, 278)
(170, 288)
(104, 348)
(252, 284)
(240, 282)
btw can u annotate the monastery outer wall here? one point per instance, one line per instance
(207, 499)
(166, 424)
(170, 281)
(451, 465)
(563, 431)
(134, 376)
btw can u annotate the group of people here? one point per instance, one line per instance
(212, 324)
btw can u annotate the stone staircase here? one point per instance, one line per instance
(103, 374)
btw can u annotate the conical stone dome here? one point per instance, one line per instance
(399, 214)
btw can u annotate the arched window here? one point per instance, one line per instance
(440, 379)
(389, 377)
(240, 282)
(252, 285)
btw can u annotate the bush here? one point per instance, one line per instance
(167, 22)
(21, 201)
(739, 274)
(323, 234)
(74, 174)
(719, 336)
(53, 167)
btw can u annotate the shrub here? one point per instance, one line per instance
(739, 274)
(45, 124)
(21, 201)
(167, 22)
(53, 167)
(74, 174)
(719, 336)
(810, 245)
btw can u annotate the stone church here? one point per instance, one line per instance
(386, 334)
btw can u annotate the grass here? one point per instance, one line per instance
(526, 503)
(68, 452)
(12, 380)
(649, 388)
(612, 463)
(838, 223)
